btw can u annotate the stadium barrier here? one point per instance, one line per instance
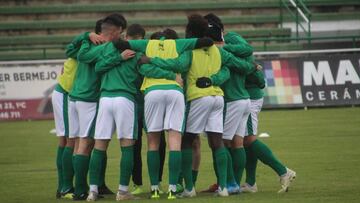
(293, 79)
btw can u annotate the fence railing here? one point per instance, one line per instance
(299, 13)
(266, 41)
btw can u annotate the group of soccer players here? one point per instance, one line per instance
(207, 83)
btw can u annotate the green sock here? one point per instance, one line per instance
(194, 176)
(68, 169)
(221, 165)
(153, 162)
(126, 164)
(239, 157)
(230, 168)
(250, 167)
(265, 155)
(186, 165)
(174, 166)
(103, 170)
(181, 178)
(95, 166)
(81, 167)
(59, 166)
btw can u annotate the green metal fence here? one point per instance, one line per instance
(299, 13)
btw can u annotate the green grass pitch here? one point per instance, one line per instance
(321, 145)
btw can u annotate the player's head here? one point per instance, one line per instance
(112, 26)
(196, 27)
(135, 31)
(157, 35)
(98, 26)
(215, 27)
(170, 34)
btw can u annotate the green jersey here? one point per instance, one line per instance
(86, 83)
(234, 88)
(122, 78)
(255, 84)
(183, 63)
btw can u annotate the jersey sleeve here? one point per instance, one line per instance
(178, 65)
(220, 77)
(73, 48)
(152, 71)
(236, 64)
(138, 45)
(89, 53)
(183, 45)
(109, 58)
(241, 50)
(256, 78)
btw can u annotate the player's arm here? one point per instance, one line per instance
(136, 45)
(257, 78)
(180, 64)
(73, 48)
(237, 45)
(220, 77)
(236, 64)
(239, 50)
(152, 71)
(110, 57)
(183, 45)
(88, 53)
(214, 80)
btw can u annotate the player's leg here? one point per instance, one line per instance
(186, 163)
(126, 166)
(214, 130)
(127, 132)
(196, 158)
(87, 118)
(137, 169)
(95, 167)
(103, 188)
(59, 101)
(231, 184)
(174, 122)
(154, 113)
(238, 151)
(153, 162)
(104, 129)
(196, 115)
(174, 160)
(264, 153)
(250, 167)
(68, 169)
(59, 165)
(162, 153)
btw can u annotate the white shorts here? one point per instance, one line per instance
(252, 122)
(205, 115)
(236, 116)
(117, 112)
(164, 110)
(82, 117)
(60, 108)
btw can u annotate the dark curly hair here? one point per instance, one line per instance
(196, 27)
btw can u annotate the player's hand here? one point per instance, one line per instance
(143, 60)
(121, 45)
(203, 82)
(257, 66)
(96, 39)
(127, 54)
(179, 80)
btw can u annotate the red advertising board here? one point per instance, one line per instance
(25, 89)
